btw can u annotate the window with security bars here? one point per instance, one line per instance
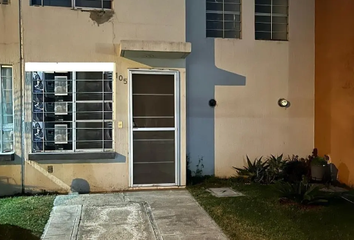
(72, 111)
(6, 110)
(271, 20)
(223, 18)
(96, 4)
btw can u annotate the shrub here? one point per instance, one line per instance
(255, 171)
(275, 170)
(295, 168)
(301, 192)
(319, 161)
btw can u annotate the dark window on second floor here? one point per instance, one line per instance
(223, 18)
(271, 20)
(4, 2)
(57, 3)
(99, 4)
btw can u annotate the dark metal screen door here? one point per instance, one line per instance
(154, 131)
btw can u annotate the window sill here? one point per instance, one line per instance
(72, 156)
(7, 157)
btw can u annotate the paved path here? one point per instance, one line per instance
(169, 215)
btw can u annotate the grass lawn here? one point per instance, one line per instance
(26, 214)
(259, 215)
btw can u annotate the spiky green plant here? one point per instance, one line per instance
(301, 192)
(255, 171)
(275, 169)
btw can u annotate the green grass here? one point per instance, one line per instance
(259, 215)
(29, 213)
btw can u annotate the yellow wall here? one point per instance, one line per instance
(334, 97)
(248, 120)
(10, 172)
(56, 34)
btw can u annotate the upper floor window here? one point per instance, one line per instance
(6, 110)
(223, 18)
(4, 1)
(271, 19)
(99, 4)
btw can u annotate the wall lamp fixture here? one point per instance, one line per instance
(282, 102)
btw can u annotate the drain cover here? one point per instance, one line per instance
(225, 192)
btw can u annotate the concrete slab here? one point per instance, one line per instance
(168, 214)
(125, 221)
(225, 192)
(178, 215)
(89, 199)
(63, 222)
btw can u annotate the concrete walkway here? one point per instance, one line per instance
(170, 215)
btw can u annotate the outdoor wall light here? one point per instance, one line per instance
(282, 102)
(212, 102)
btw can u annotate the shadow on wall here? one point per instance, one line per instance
(343, 173)
(79, 185)
(333, 172)
(9, 186)
(10, 178)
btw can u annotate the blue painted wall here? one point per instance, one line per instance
(202, 77)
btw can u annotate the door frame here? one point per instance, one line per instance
(176, 75)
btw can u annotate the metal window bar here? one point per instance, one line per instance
(7, 128)
(223, 12)
(106, 123)
(5, 2)
(271, 14)
(102, 4)
(1, 78)
(87, 4)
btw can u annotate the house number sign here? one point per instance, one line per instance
(122, 79)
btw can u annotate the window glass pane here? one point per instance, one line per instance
(214, 16)
(93, 111)
(263, 19)
(36, 2)
(265, 9)
(93, 86)
(59, 3)
(68, 120)
(214, 25)
(263, 2)
(7, 140)
(214, 6)
(271, 19)
(283, 20)
(93, 135)
(280, 36)
(215, 33)
(282, 10)
(232, 7)
(232, 17)
(232, 26)
(223, 18)
(280, 28)
(233, 1)
(7, 119)
(263, 35)
(280, 2)
(94, 3)
(231, 34)
(263, 27)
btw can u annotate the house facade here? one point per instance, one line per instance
(108, 95)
